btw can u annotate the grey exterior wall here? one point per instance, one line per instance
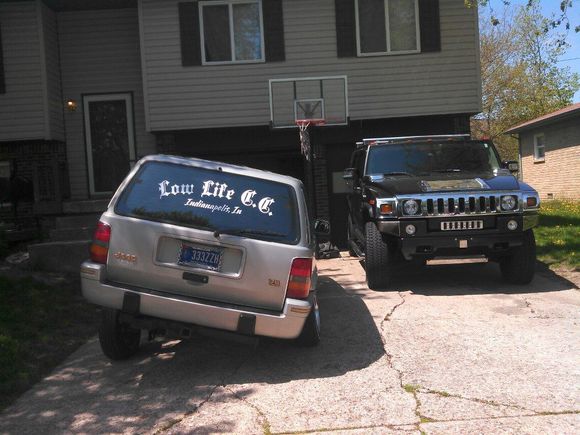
(22, 114)
(53, 93)
(99, 54)
(180, 97)
(558, 174)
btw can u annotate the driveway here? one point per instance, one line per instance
(451, 349)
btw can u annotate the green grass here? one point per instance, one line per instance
(40, 325)
(558, 235)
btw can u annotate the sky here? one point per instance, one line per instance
(571, 58)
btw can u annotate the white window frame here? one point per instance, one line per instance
(230, 4)
(536, 147)
(388, 34)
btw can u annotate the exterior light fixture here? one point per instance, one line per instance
(71, 105)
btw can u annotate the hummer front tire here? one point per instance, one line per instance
(377, 258)
(520, 265)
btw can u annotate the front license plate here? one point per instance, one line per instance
(461, 225)
(210, 259)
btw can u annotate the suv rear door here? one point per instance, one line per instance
(203, 231)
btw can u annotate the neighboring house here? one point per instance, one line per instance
(88, 87)
(550, 153)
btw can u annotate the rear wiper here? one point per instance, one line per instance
(443, 171)
(389, 174)
(248, 233)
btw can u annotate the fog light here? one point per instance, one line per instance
(410, 229)
(512, 225)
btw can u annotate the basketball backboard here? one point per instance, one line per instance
(320, 98)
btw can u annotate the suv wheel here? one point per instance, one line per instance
(519, 266)
(310, 335)
(118, 340)
(377, 258)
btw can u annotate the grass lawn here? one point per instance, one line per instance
(40, 325)
(558, 235)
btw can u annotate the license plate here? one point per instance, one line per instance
(461, 225)
(210, 259)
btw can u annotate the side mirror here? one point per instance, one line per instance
(511, 165)
(321, 227)
(349, 174)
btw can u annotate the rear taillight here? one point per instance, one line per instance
(300, 278)
(100, 246)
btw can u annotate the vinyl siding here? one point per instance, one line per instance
(99, 54)
(22, 115)
(180, 97)
(558, 174)
(54, 104)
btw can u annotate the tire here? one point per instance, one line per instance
(377, 258)
(520, 265)
(310, 335)
(118, 340)
(348, 239)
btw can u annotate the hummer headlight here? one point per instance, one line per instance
(411, 207)
(508, 202)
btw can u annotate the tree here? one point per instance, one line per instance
(560, 16)
(521, 79)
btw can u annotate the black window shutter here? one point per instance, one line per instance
(429, 25)
(189, 33)
(273, 13)
(2, 81)
(345, 28)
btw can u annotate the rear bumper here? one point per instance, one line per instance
(288, 324)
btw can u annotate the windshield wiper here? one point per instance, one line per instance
(443, 171)
(394, 173)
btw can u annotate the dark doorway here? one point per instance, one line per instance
(337, 159)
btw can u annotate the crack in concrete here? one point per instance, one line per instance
(475, 399)
(390, 313)
(262, 417)
(168, 425)
(501, 417)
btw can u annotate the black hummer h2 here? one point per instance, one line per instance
(422, 197)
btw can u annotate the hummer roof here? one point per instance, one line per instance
(407, 139)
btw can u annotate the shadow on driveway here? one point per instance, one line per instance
(166, 380)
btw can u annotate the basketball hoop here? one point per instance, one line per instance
(303, 125)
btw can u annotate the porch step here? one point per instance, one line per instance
(70, 234)
(59, 256)
(78, 221)
(85, 206)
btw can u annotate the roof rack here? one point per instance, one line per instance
(387, 140)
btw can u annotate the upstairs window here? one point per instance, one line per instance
(539, 148)
(231, 31)
(387, 27)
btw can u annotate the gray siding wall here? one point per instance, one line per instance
(379, 87)
(54, 103)
(22, 115)
(99, 54)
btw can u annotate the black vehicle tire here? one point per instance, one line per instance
(520, 265)
(310, 335)
(118, 340)
(377, 258)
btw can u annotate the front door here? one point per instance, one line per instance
(110, 140)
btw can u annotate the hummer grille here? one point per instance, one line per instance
(463, 205)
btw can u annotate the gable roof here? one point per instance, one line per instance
(566, 112)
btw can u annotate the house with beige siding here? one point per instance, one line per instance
(88, 87)
(549, 148)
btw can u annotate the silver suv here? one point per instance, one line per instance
(188, 243)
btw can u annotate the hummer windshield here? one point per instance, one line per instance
(425, 158)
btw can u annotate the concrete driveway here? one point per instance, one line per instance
(452, 349)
